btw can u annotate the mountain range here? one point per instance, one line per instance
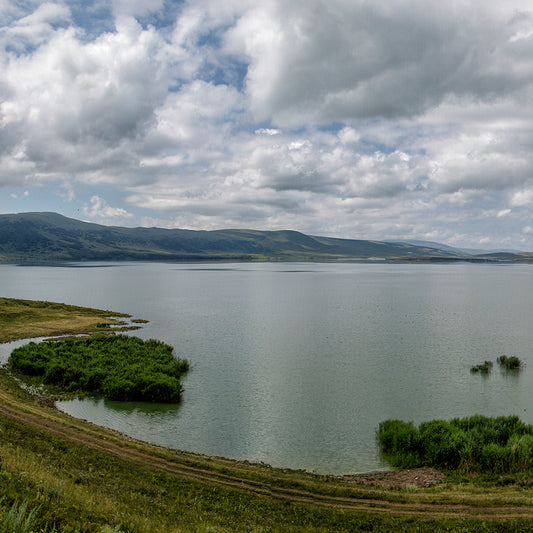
(50, 237)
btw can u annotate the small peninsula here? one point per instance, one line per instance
(117, 367)
(25, 319)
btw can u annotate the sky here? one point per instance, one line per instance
(397, 119)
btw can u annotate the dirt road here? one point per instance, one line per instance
(229, 474)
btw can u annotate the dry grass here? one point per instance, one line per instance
(21, 319)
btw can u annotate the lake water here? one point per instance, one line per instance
(295, 364)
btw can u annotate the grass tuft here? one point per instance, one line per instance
(118, 367)
(17, 518)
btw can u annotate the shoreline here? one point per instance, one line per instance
(82, 476)
(113, 321)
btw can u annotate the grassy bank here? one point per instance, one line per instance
(78, 477)
(24, 319)
(63, 474)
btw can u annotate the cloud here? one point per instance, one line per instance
(15, 196)
(523, 197)
(349, 118)
(72, 106)
(29, 31)
(100, 211)
(312, 61)
(267, 131)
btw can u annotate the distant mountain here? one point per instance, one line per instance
(430, 244)
(45, 237)
(467, 251)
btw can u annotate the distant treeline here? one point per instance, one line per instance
(474, 444)
(118, 367)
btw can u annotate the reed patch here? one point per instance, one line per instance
(474, 444)
(117, 367)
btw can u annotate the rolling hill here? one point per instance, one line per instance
(46, 237)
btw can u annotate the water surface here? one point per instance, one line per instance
(295, 364)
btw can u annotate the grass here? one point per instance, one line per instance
(61, 474)
(68, 485)
(17, 518)
(23, 319)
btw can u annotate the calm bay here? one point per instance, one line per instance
(295, 364)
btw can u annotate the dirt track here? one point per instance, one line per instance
(379, 501)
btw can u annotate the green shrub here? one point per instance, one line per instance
(509, 363)
(482, 368)
(474, 444)
(118, 367)
(394, 437)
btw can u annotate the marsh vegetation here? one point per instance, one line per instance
(474, 444)
(117, 367)
(505, 362)
(482, 368)
(77, 476)
(509, 363)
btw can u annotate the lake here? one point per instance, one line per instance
(295, 364)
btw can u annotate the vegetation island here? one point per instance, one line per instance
(116, 367)
(507, 363)
(62, 474)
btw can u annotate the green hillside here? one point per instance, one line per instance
(40, 237)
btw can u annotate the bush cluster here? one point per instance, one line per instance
(483, 368)
(474, 444)
(505, 362)
(119, 367)
(509, 363)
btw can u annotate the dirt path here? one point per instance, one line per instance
(85, 435)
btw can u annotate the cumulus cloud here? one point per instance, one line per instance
(523, 197)
(100, 211)
(359, 119)
(74, 106)
(320, 61)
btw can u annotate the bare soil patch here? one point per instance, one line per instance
(421, 477)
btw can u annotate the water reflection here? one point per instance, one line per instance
(141, 420)
(140, 408)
